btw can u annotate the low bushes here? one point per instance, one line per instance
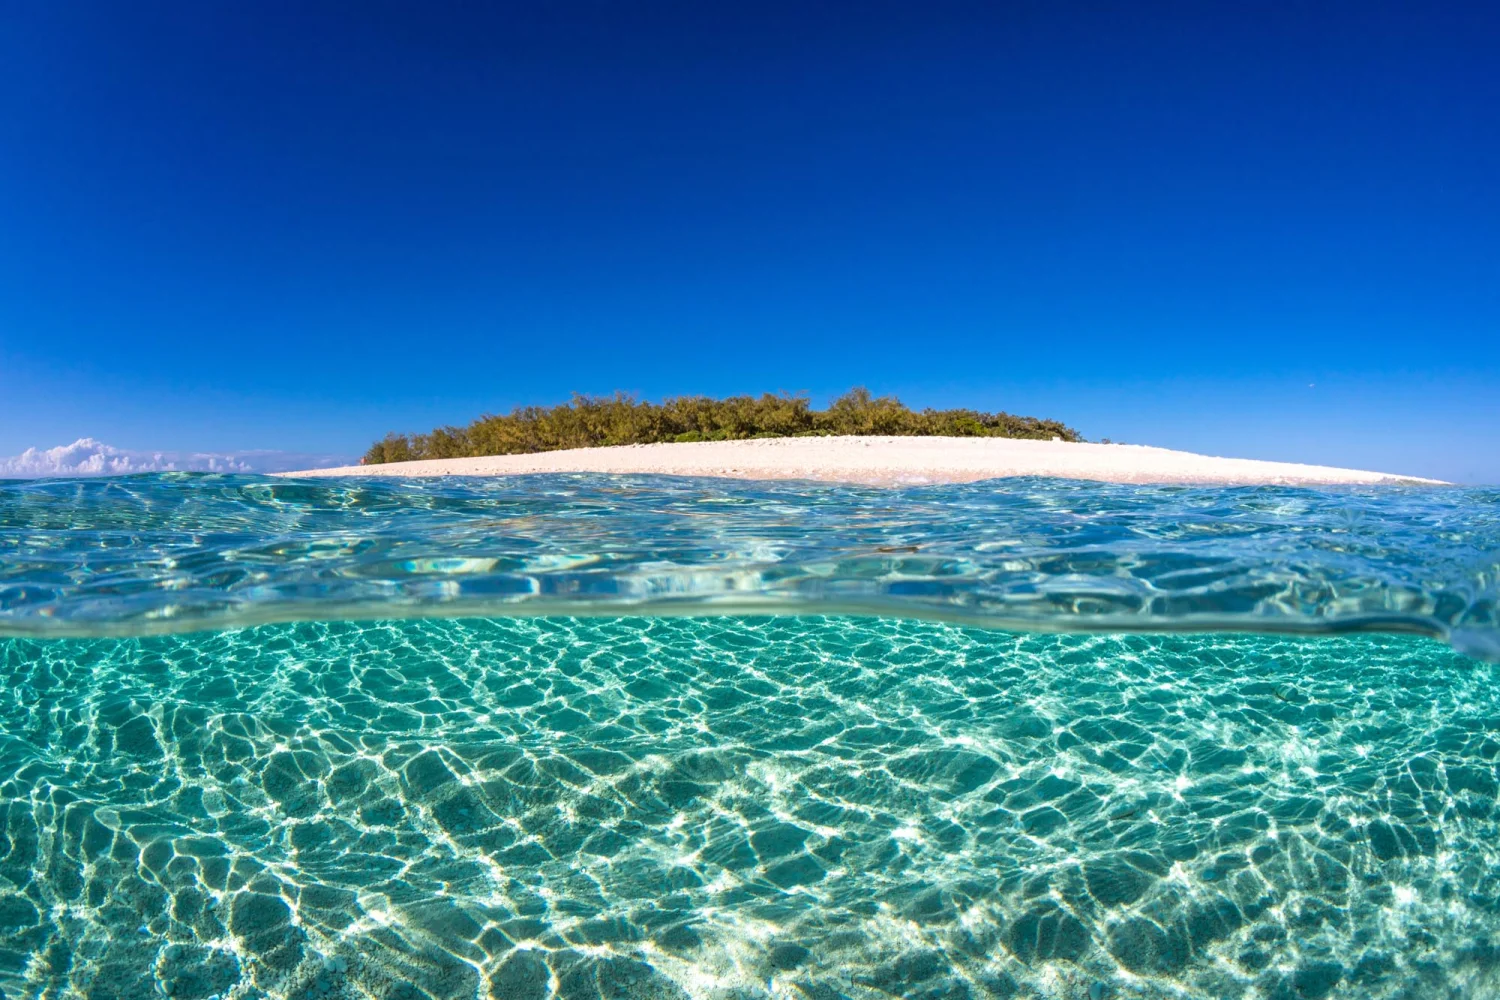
(593, 421)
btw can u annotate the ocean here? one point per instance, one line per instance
(606, 737)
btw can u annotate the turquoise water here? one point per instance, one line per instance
(527, 739)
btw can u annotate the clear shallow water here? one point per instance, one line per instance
(733, 807)
(365, 796)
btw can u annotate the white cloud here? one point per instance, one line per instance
(88, 457)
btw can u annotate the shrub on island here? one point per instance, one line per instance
(597, 421)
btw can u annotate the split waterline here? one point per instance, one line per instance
(602, 786)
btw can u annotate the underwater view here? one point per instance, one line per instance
(607, 737)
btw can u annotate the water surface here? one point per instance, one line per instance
(179, 552)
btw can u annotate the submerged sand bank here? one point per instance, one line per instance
(887, 461)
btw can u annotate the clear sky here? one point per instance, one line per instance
(1269, 231)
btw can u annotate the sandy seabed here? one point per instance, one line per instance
(888, 461)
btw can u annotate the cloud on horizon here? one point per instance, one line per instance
(90, 457)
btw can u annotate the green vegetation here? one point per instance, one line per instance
(592, 421)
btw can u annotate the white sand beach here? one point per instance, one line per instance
(888, 461)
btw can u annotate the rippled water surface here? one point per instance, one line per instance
(169, 553)
(340, 787)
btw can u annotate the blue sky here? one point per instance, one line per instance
(1260, 232)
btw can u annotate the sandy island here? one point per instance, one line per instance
(887, 461)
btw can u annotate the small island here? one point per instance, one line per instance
(859, 438)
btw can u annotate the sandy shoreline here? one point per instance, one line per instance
(887, 461)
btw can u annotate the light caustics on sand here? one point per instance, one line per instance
(728, 808)
(619, 803)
